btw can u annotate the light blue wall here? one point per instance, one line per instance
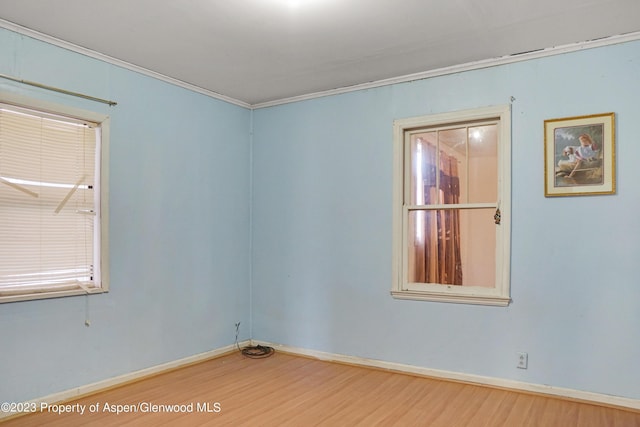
(322, 231)
(179, 230)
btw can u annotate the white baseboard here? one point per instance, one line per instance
(84, 390)
(566, 393)
(584, 396)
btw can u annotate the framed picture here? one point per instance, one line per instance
(579, 155)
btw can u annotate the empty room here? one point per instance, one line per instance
(319, 212)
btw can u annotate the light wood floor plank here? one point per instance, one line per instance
(287, 390)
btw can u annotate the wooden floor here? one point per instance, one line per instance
(286, 390)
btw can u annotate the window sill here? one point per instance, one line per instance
(498, 301)
(9, 297)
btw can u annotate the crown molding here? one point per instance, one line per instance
(470, 66)
(117, 62)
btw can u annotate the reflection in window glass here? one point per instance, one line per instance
(453, 166)
(452, 247)
(483, 164)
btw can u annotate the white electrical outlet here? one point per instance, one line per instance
(523, 360)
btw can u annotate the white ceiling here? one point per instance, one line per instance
(257, 51)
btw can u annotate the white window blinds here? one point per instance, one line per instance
(48, 202)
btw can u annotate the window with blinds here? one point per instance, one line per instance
(49, 204)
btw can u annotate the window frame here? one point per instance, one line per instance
(499, 295)
(102, 185)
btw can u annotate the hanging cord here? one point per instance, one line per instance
(255, 351)
(87, 321)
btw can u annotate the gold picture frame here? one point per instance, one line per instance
(579, 155)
